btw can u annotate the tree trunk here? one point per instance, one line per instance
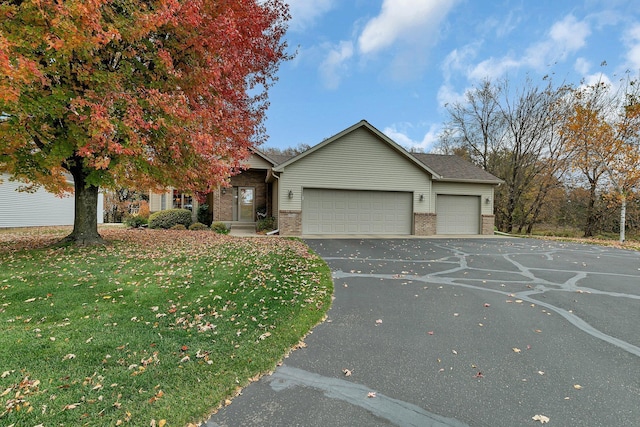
(623, 218)
(590, 226)
(85, 221)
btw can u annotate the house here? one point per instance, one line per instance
(41, 208)
(358, 182)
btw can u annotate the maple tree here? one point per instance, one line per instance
(117, 93)
(603, 137)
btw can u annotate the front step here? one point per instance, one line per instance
(243, 225)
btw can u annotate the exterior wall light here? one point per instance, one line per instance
(421, 197)
(487, 200)
(224, 190)
(290, 194)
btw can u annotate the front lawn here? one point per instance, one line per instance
(157, 328)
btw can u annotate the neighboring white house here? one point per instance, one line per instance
(20, 209)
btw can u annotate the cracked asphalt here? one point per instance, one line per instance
(462, 332)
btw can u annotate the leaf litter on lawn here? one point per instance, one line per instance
(154, 321)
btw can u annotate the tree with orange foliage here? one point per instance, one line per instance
(603, 136)
(118, 93)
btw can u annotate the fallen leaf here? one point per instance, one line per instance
(577, 386)
(430, 332)
(478, 375)
(347, 372)
(265, 336)
(541, 372)
(162, 423)
(371, 394)
(454, 352)
(69, 356)
(516, 350)
(30, 300)
(71, 406)
(487, 305)
(379, 321)
(540, 418)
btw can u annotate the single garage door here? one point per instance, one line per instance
(356, 212)
(457, 214)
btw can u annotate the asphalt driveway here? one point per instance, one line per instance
(462, 332)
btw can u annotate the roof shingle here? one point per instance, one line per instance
(454, 168)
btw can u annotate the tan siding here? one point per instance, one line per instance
(155, 201)
(358, 161)
(257, 162)
(485, 191)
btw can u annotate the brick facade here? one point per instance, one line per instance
(223, 200)
(424, 224)
(488, 225)
(290, 223)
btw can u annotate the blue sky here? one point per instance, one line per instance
(397, 63)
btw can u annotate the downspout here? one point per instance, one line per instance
(277, 230)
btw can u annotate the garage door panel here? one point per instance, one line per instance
(356, 212)
(457, 214)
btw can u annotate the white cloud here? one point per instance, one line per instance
(405, 20)
(569, 34)
(564, 37)
(493, 68)
(447, 95)
(632, 41)
(458, 59)
(304, 13)
(582, 66)
(335, 66)
(400, 136)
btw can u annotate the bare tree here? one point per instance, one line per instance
(512, 135)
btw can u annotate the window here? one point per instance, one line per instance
(182, 201)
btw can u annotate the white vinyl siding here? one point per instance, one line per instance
(356, 212)
(457, 214)
(20, 209)
(357, 161)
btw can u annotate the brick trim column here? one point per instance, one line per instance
(290, 223)
(424, 224)
(488, 225)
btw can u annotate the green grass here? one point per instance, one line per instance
(158, 325)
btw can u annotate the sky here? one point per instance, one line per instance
(399, 63)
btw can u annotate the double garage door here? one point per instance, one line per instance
(356, 212)
(457, 214)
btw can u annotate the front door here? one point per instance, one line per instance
(246, 204)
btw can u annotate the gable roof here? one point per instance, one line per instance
(454, 168)
(360, 124)
(263, 156)
(280, 158)
(441, 167)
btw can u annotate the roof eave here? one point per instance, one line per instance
(470, 181)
